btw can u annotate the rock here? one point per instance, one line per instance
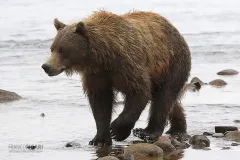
(218, 83)
(74, 144)
(164, 139)
(218, 135)
(195, 79)
(193, 87)
(42, 115)
(179, 145)
(236, 121)
(6, 96)
(199, 141)
(208, 133)
(108, 158)
(226, 148)
(235, 144)
(228, 72)
(233, 136)
(143, 151)
(167, 147)
(175, 155)
(223, 129)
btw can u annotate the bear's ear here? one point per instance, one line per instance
(58, 25)
(80, 28)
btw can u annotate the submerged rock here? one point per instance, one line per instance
(233, 136)
(6, 96)
(199, 141)
(208, 133)
(228, 72)
(193, 87)
(108, 158)
(236, 121)
(143, 151)
(235, 144)
(218, 135)
(224, 129)
(42, 115)
(218, 83)
(179, 145)
(226, 148)
(74, 144)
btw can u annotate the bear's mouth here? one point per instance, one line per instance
(52, 72)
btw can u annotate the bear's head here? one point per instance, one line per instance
(69, 50)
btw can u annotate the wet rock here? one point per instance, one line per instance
(74, 144)
(195, 80)
(193, 87)
(42, 115)
(108, 158)
(226, 148)
(175, 155)
(218, 135)
(228, 72)
(236, 121)
(6, 96)
(224, 129)
(143, 151)
(179, 145)
(199, 141)
(235, 144)
(233, 136)
(208, 133)
(218, 83)
(181, 137)
(167, 147)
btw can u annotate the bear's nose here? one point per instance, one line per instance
(46, 68)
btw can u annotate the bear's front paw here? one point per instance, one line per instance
(120, 130)
(101, 141)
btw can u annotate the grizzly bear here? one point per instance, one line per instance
(140, 54)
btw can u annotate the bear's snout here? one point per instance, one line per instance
(46, 68)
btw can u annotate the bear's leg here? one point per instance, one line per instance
(101, 97)
(122, 126)
(177, 120)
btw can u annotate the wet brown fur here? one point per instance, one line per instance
(140, 54)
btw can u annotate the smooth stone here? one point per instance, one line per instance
(167, 147)
(74, 144)
(224, 129)
(218, 135)
(143, 151)
(218, 83)
(228, 72)
(108, 158)
(196, 79)
(233, 136)
(199, 141)
(208, 133)
(6, 96)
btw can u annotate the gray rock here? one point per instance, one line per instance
(143, 151)
(199, 141)
(218, 83)
(6, 96)
(42, 115)
(228, 72)
(224, 129)
(167, 147)
(208, 133)
(74, 144)
(108, 158)
(233, 136)
(218, 135)
(226, 148)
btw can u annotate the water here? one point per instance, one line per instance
(26, 30)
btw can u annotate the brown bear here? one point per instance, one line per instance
(140, 54)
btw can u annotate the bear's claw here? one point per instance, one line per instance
(142, 134)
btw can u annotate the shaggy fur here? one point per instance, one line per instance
(139, 54)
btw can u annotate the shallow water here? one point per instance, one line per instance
(212, 29)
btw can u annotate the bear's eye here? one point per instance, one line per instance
(61, 50)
